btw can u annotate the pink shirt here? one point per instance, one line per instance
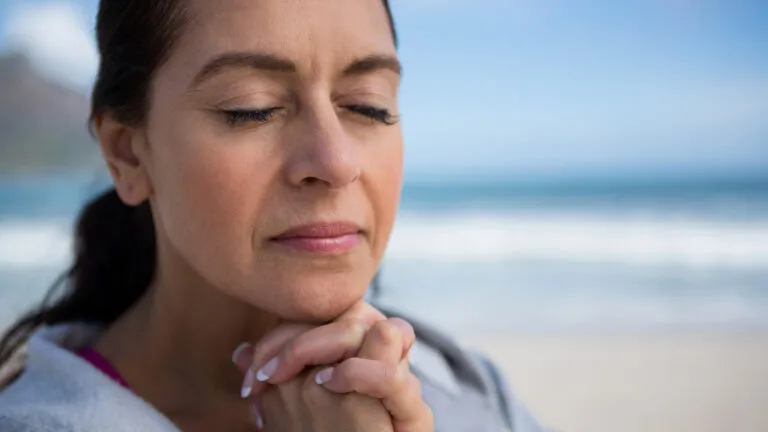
(99, 362)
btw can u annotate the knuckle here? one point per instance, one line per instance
(372, 314)
(354, 329)
(293, 353)
(365, 312)
(386, 332)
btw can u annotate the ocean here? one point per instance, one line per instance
(503, 255)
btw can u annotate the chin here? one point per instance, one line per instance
(316, 298)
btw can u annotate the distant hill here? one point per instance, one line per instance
(43, 124)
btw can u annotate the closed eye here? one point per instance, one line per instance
(380, 115)
(244, 116)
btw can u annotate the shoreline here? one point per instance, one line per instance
(633, 381)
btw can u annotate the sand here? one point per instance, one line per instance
(627, 382)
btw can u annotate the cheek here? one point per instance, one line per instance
(384, 185)
(208, 194)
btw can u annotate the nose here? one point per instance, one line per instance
(324, 153)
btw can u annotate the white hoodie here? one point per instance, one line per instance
(59, 391)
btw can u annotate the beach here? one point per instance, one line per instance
(637, 381)
(613, 310)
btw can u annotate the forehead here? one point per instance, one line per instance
(312, 33)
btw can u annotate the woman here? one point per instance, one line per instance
(256, 155)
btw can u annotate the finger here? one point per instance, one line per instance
(268, 346)
(409, 411)
(374, 378)
(258, 417)
(247, 357)
(273, 342)
(364, 312)
(397, 387)
(320, 346)
(388, 341)
(261, 363)
(242, 357)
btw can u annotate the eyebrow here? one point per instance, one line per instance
(273, 63)
(374, 63)
(260, 61)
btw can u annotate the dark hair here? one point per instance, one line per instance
(115, 253)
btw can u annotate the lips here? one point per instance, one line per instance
(321, 238)
(322, 230)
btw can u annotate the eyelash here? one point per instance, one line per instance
(240, 117)
(381, 115)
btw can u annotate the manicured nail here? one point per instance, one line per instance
(324, 376)
(239, 350)
(247, 384)
(257, 418)
(267, 370)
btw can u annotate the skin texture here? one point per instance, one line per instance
(223, 186)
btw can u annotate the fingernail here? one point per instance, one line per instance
(267, 370)
(324, 376)
(247, 384)
(257, 418)
(239, 350)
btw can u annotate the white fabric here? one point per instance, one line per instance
(59, 391)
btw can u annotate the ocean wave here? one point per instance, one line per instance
(589, 238)
(644, 241)
(591, 312)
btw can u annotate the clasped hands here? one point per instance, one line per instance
(350, 375)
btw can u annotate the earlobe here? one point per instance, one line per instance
(118, 143)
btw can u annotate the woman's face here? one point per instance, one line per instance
(274, 152)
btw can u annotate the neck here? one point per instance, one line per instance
(174, 347)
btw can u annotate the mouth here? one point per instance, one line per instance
(325, 238)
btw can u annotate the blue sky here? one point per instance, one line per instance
(540, 88)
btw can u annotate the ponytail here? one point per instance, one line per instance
(114, 265)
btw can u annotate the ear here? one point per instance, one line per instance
(124, 150)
